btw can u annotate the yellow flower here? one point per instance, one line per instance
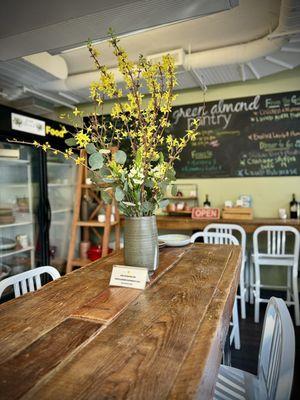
(36, 144)
(68, 153)
(79, 160)
(82, 139)
(76, 112)
(46, 146)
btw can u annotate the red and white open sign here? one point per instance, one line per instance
(205, 213)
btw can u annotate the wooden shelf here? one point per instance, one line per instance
(182, 198)
(94, 224)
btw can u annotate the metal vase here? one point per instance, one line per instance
(141, 243)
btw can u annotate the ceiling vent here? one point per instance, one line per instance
(178, 55)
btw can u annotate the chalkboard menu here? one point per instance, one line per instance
(245, 137)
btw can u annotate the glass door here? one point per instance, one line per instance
(61, 193)
(21, 242)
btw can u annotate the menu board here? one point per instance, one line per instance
(244, 137)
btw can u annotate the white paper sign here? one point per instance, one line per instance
(22, 123)
(127, 276)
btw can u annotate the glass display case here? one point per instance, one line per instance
(19, 229)
(61, 189)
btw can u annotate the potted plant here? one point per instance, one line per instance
(130, 149)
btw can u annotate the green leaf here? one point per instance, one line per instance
(138, 157)
(147, 207)
(90, 148)
(120, 157)
(119, 194)
(174, 190)
(149, 183)
(96, 161)
(171, 174)
(105, 171)
(106, 197)
(161, 158)
(163, 203)
(71, 142)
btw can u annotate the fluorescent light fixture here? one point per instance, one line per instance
(47, 97)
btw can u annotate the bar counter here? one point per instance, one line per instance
(79, 338)
(187, 223)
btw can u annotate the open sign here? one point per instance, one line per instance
(205, 213)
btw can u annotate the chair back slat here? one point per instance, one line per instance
(277, 351)
(38, 282)
(215, 238)
(276, 241)
(230, 229)
(28, 281)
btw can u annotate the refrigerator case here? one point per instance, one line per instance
(26, 198)
(22, 242)
(61, 188)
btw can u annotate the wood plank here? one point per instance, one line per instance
(141, 353)
(198, 373)
(20, 373)
(114, 300)
(25, 319)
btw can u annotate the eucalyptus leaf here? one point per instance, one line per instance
(149, 183)
(104, 151)
(161, 158)
(147, 207)
(105, 171)
(119, 194)
(71, 142)
(90, 148)
(174, 190)
(120, 157)
(170, 174)
(105, 197)
(96, 161)
(163, 203)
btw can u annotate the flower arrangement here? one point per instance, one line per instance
(130, 150)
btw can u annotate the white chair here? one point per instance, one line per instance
(275, 363)
(238, 232)
(276, 254)
(225, 239)
(28, 281)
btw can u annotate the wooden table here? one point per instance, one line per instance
(76, 338)
(187, 223)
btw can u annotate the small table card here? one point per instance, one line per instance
(127, 276)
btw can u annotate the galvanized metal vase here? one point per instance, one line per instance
(141, 243)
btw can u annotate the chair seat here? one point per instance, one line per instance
(235, 384)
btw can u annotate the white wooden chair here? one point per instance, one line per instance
(276, 254)
(238, 232)
(28, 281)
(275, 363)
(224, 238)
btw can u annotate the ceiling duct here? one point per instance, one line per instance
(236, 54)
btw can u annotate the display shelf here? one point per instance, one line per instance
(8, 253)
(56, 164)
(16, 224)
(14, 185)
(13, 161)
(60, 184)
(61, 210)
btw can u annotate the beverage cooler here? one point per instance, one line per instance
(36, 195)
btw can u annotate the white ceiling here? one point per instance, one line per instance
(255, 39)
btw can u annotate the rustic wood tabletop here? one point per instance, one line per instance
(78, 338)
